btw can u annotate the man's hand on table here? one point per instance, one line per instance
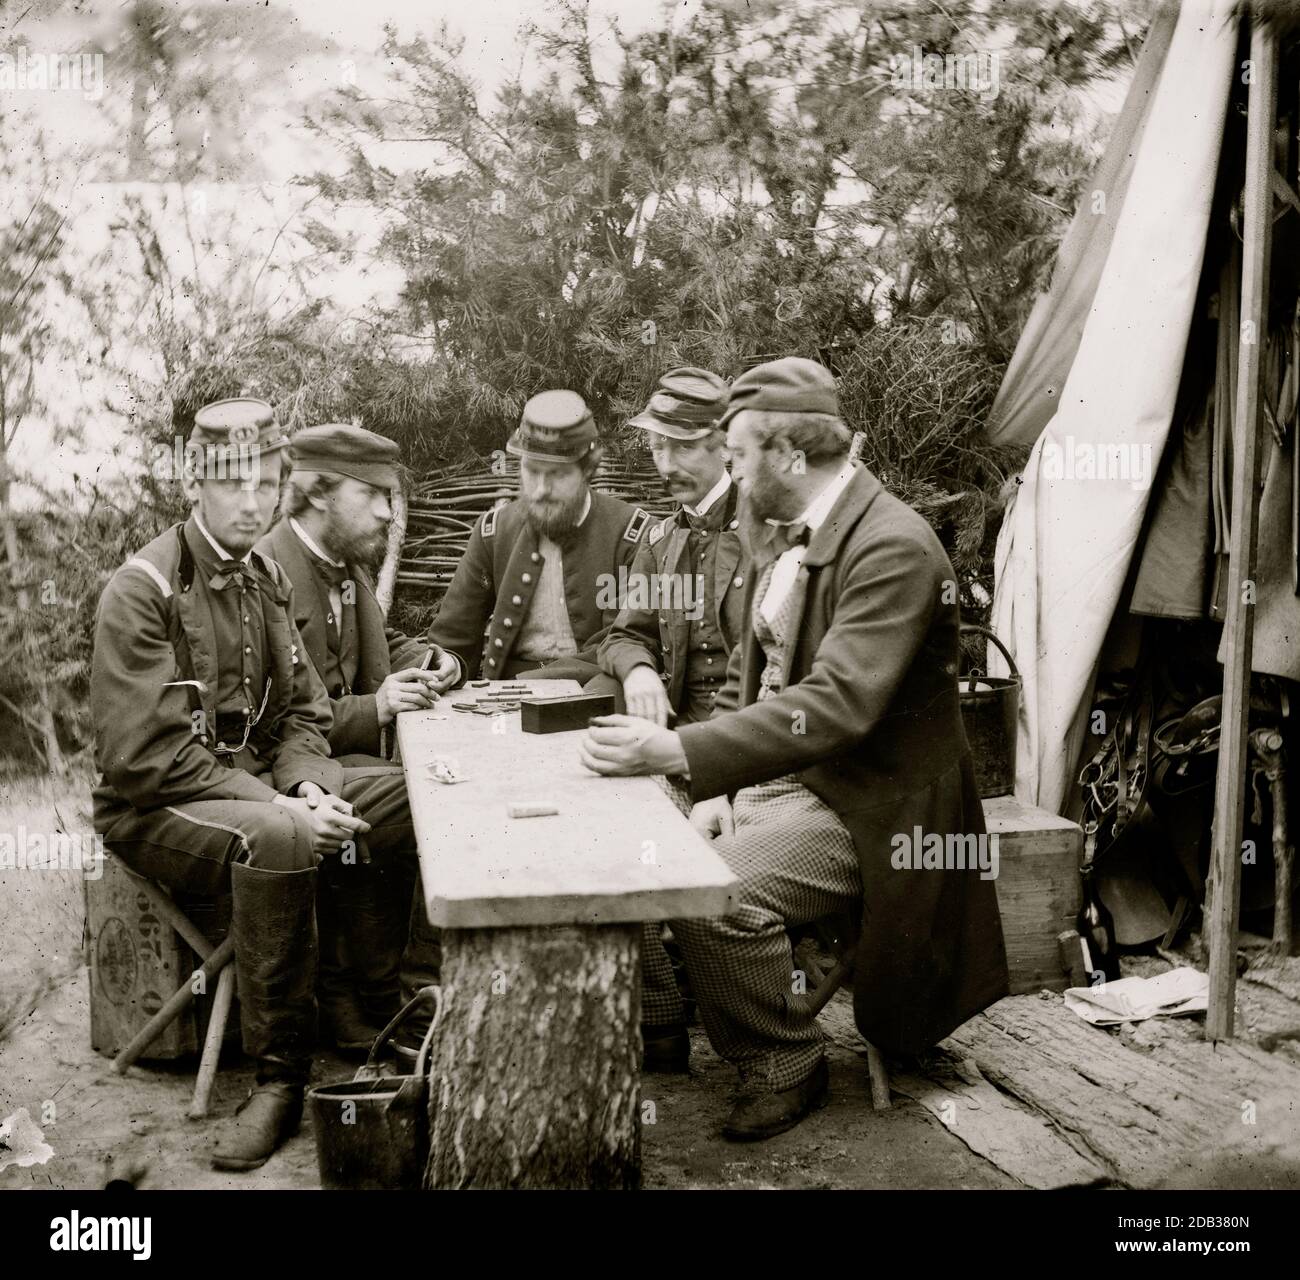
(330, 817)
(629, 746)
(444, 672)
(408, 690)
(645, 695)
(713, 818)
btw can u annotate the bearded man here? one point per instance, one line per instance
(838, 731)
(537, 588)
(333, 528)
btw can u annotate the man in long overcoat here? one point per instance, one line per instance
(837, 739)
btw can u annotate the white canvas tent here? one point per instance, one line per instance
(1111, 339)
(1107, 343)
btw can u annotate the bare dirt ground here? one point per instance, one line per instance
(102, 1125)
(1025, 1095)
(108, 1126)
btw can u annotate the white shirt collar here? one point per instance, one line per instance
(819, 508)
(586, 510)
(216, 546)
(711, 497)
(311, 546)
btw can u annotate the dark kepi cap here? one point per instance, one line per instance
(790, 385)
(556, 426)
(687, 404)
(335, 448)
(237, 428)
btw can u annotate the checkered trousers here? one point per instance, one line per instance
(796, 864)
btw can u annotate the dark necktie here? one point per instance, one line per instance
(785, 536)
(234, 571)
(335, 575)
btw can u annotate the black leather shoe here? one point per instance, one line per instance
(266, 1119)
(667, 1050)
(763, 1115)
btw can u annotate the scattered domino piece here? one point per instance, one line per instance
(532, 809)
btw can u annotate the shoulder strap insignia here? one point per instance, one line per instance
(488, 527)
(636, 526)
(139, 562)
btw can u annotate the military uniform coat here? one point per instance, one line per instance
(481, 613)
(660, 638)
(869, 720)
(153, 687)
(381, 649)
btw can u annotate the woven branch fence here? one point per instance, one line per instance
(443, 506)
(442, 509)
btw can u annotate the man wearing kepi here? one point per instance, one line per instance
(838, 729)
(532, 575)
(211, 730)
(669, 645)
(682, 615)
(337, 509)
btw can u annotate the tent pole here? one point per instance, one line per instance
(1223, 904)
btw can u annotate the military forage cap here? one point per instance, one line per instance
(242, 426)
(338, 449)
(687, 404)
(791, 385)
(556, 426)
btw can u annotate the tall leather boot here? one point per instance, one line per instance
(382, 919)
(421, 967)
(274, 927)
(367, 936)
(342, 1020)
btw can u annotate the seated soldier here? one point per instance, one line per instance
(668, 648)
(334, 525)
(526, 597)
(211, 730)
(839, 730)
(669, 645)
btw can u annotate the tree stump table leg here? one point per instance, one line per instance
(534, 1072)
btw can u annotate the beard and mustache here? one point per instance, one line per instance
(364, 550)
(762, 499)
(554, 519)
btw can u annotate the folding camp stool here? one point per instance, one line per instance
(216, 963)
(839, 935)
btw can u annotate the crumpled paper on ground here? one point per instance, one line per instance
(21, 1142)
(1179, 991)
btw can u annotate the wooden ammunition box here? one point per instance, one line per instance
(138, 961)
(1038, 889)
(558, 715)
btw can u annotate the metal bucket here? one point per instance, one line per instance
(372, 1132)
(990, 708)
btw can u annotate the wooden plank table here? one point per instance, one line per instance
(534, 1074)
